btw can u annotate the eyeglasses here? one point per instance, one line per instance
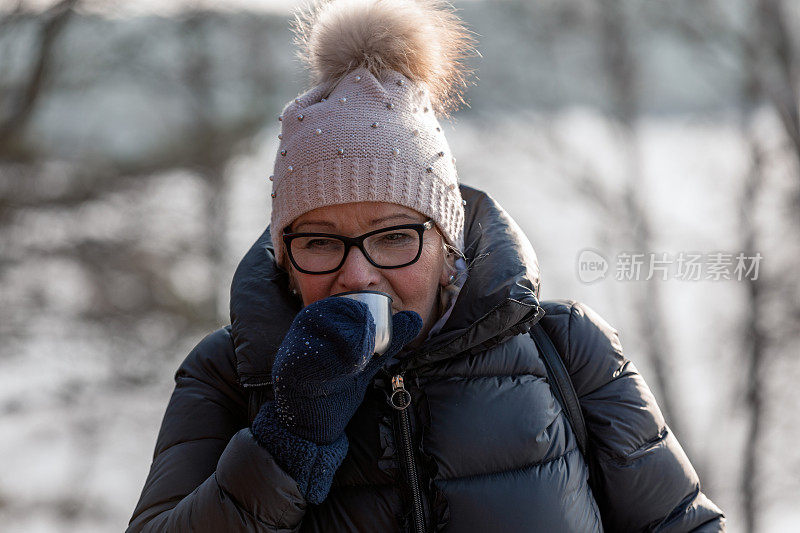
(323, 253)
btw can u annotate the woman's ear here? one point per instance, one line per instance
(293, 288)
(448, 269)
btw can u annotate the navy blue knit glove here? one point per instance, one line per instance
(320, 375)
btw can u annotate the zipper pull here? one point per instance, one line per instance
(400, 398)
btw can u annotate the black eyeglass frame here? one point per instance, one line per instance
(358, 242)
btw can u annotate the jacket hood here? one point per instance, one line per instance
(499, 298)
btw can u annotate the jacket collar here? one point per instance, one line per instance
(498, 300)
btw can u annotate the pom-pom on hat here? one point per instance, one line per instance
(367, 130)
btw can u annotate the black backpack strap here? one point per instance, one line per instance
(561, 385)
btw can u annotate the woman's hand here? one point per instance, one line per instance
(325, 363)
(320, 375)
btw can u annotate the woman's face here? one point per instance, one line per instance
(413, 288)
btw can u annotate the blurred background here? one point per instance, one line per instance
(136, 138)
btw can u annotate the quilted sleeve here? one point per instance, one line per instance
(208, 472)
(645, 480)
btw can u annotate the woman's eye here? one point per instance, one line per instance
(320, 244)
(397, 238)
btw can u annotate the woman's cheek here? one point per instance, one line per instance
(418, 287)
(314, 288)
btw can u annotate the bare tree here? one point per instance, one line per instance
(767, 38)
(756, 339)
(779, 75)
(765, 56)
(621, 69)
(211, 142)
(22, 101)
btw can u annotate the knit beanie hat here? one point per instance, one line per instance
(367, 130)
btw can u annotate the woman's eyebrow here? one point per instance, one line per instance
(403, 216)
(323, 223)
(373, 222)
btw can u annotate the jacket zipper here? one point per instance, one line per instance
(400, 400)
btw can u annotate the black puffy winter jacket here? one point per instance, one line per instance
(483, 446)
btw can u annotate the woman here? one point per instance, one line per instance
(285, 421)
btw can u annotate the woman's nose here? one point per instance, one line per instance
(357, 273)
